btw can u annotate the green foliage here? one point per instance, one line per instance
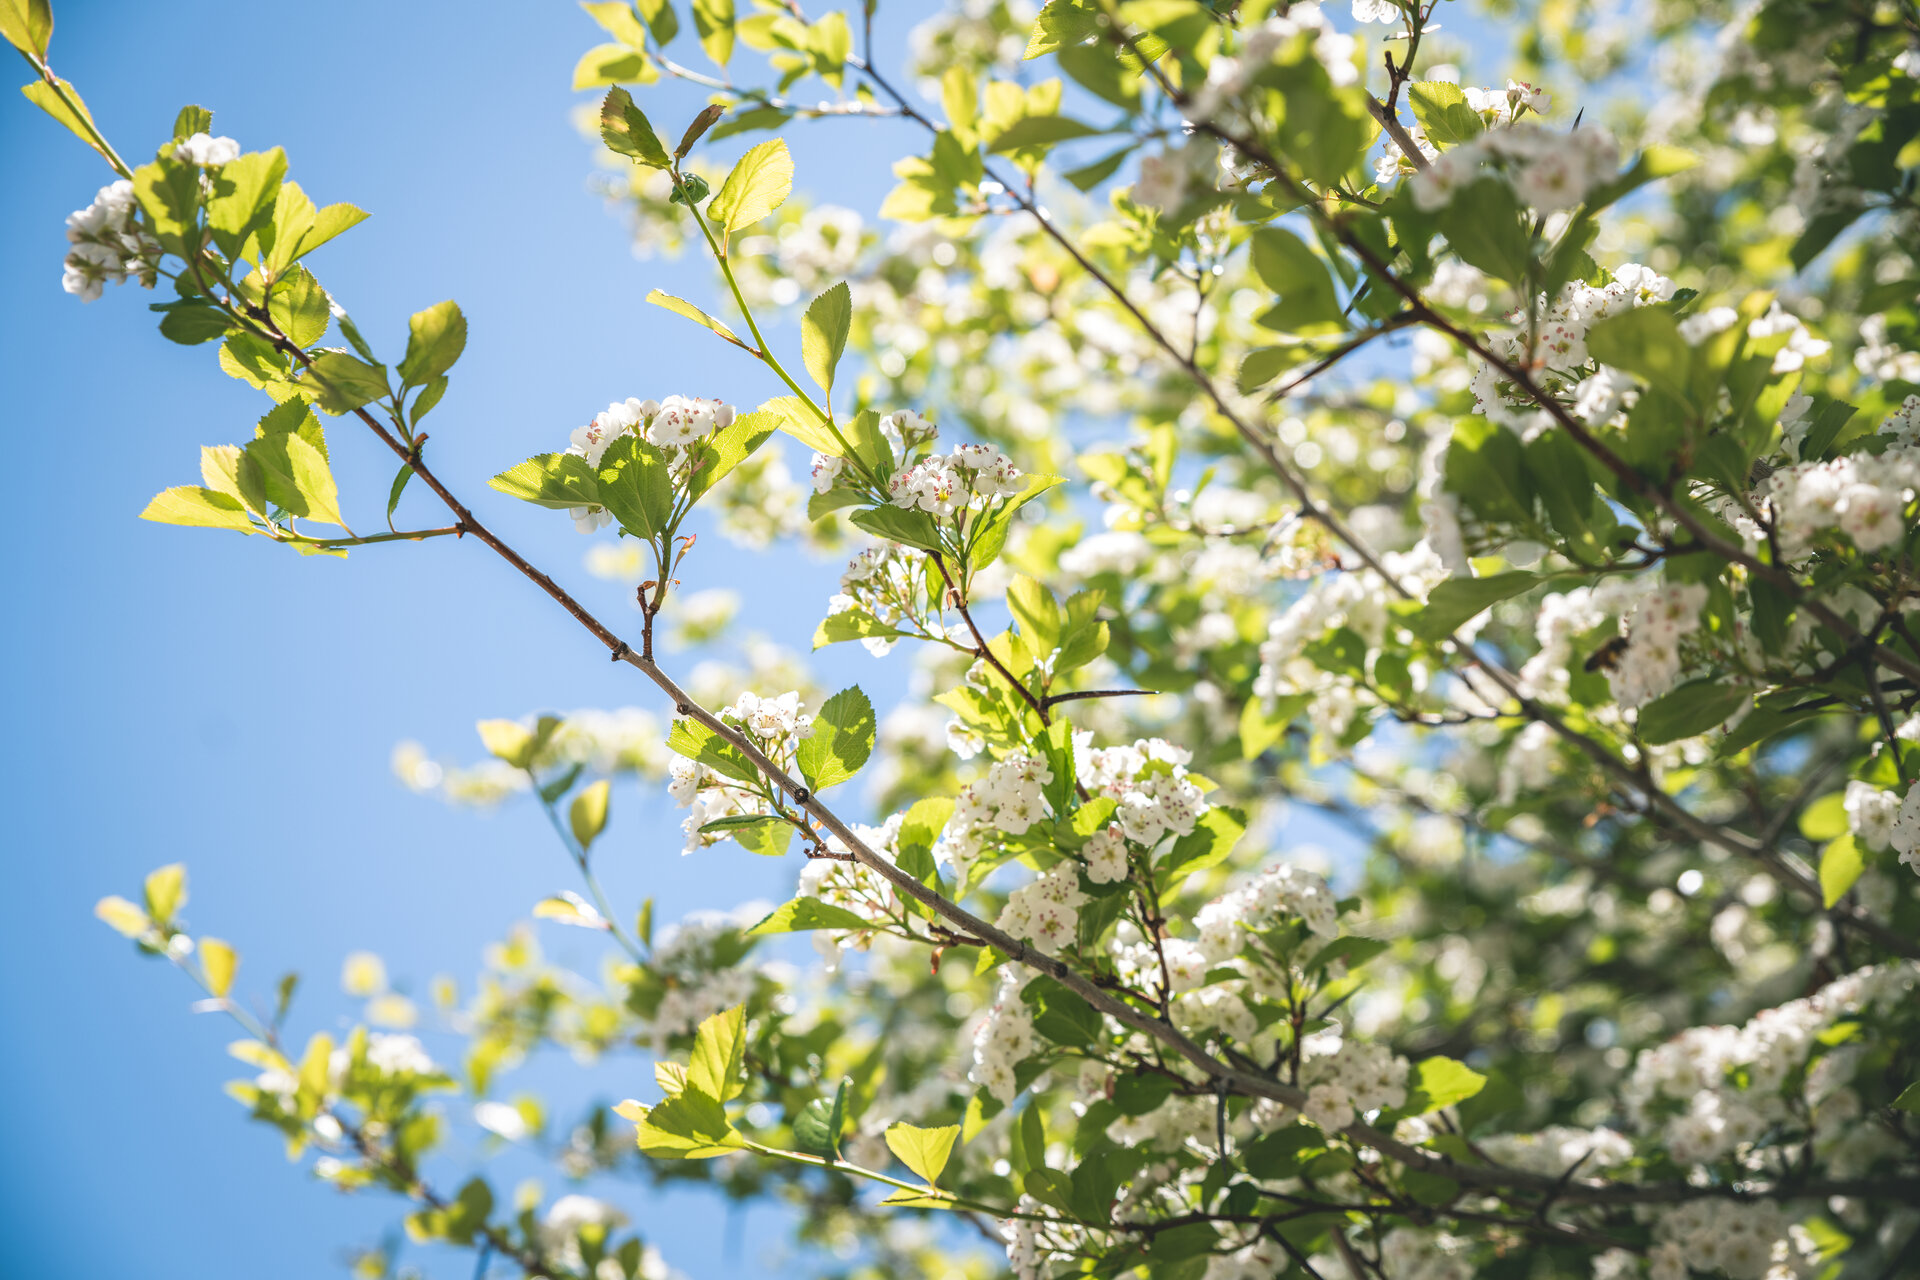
(843, 734)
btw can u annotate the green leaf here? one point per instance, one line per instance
(823, 333)
(624, 128)
(1061, 24)
(758, 185)
(435, 339)
(190, 120)
(587, 816)
(1909, 1099)
(803, 424)
(896, 524)
(1441, 1082)
(1309, 303)
(842, 740)
(1208, 845)
(617, 19)
(660, 19)
(342, 383)
(554, 480)
(1840, 866)
(166, 891)
(805, 914)
(635, 483)
(76, 117)
(851, 624)
(713, 23)
(817, 1129)
(697, 742)
(1486, 227)
(297, 476)
(1038, 613)
(1087, 177)
(299, 306)
(1457, 600)
(1443, 113)
(190, 324)
(1351, 950)
(719, 1048)
(27, 25)
(1644, 341)
(681, 307)
(193, 505)
(1690, 710)
(1040, 131)
(1654, 163)
(689, 1126)
(608, 64)
(169, 194)
(1825, 818)
(730, 446)
(243, 197)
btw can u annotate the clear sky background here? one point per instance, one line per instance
(189, 695)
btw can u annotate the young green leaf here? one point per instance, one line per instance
(713, 23)
(681, 307)
(805, 914)
(758, 185)
(218, 963)
(1840, 867)
(342, 383)
(719, 1047)
(729, 447)
(508, 740)
(166, 891)
(925, 1151)
(243, 197)
(435, 339)
(823, 333)
(588, 814)
(1038, 613)
(1456, 601)
(817, 1129)
(1690, 710)
(690, 1126)
(841, 742)
(636, 485)
(554, 480)
(27, 25)
(624, 128)
(203, 508)
(1441, 1082)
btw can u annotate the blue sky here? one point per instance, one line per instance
(186, 695)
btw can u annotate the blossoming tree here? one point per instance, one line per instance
(1526, 483)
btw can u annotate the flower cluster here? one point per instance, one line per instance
(904, 431)
(852, 887)
(108, 244)
(1149, 783)
(1346, 1078)
(1279, 890)
(1746, 1240)
(207, 151)
(1003, 1040)
(1862, 496)
(884, 583)
(698, 960)
(1549, 171)
(1711, 1091)
(1008, 801)
(966, 479)
(671, 425)
(777, 724)
(1650, 665)
(1046, 910)
(1559, 351)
